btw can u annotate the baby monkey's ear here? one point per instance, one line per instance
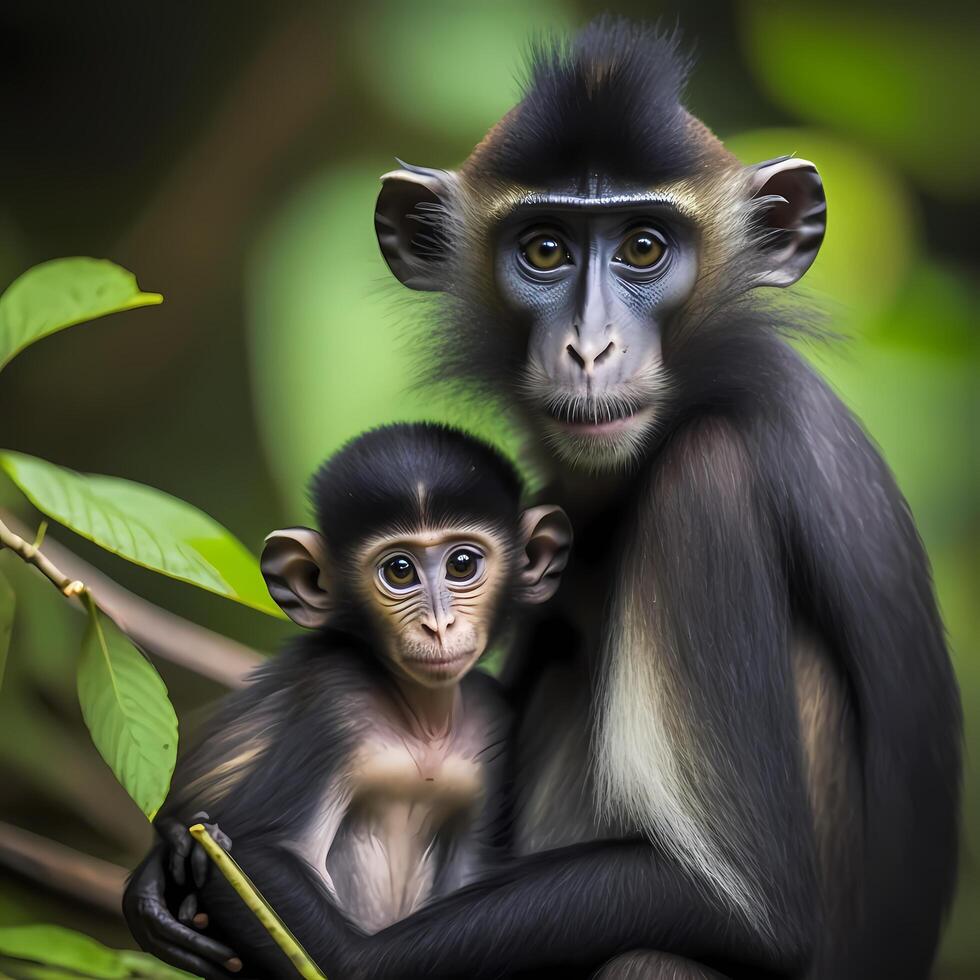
(294, 564)
(546, 539)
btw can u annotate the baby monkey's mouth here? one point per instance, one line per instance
(442, 659)
(435, 658)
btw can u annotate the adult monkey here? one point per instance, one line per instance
(749, 620)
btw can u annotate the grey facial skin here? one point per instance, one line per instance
(612, 276)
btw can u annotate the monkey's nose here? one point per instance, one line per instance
(589, 356)
(436, 623)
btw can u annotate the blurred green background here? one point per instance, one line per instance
(229, 155)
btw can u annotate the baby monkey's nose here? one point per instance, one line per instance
(436, 622)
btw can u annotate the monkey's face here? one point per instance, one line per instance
(593, 285)
(432, 596)
(564, 289)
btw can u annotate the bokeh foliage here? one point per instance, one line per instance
(284, 334)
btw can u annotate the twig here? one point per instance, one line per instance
(153, 629)
(30, 553)
(258, 906)
(88, 879)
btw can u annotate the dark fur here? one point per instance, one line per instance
(825, 541)
(301, 702)
(608, 103)
(372, 483)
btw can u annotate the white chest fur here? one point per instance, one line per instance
(388, 824)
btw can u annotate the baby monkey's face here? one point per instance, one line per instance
(433, 595)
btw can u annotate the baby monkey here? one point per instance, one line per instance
(365, 769)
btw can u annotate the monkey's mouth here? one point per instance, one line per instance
(442, 662)
(603, 419)
(596, 436)
(610, 420)
(594, 430)
(437, 661)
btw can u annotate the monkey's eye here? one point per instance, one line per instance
(399, 572)
(643, 249)
(545, 252)
(462, 565)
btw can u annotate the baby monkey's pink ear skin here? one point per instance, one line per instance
(546, 539)
(295, 567)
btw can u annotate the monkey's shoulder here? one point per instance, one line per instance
(310, 694)
(313, 666)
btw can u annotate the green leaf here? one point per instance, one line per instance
(7, 606)
(55, 946)
(22, 970)
(127, 711)
(144, 525)
(61, 293)
(54, 953)
(144, 965)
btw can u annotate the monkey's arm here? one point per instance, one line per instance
(486, 846)
(572, 908)
(864, 577)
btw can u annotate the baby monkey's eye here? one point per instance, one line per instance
(462, 565)
(399, 572)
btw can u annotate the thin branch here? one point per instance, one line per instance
(31, 554)
(88, 879)
(257, 904)
(153, 629)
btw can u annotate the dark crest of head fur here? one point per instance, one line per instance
(608, 101)
(411, 474)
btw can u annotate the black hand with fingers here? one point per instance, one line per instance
(177, 940)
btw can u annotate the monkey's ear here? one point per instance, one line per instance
(546, 536)
(294, 563)
(410, 221)
(793, 209)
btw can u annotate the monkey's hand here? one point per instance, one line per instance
(186, 853)
(150, 919)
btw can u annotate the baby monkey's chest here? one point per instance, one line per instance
(440, 776)
(411, 803)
